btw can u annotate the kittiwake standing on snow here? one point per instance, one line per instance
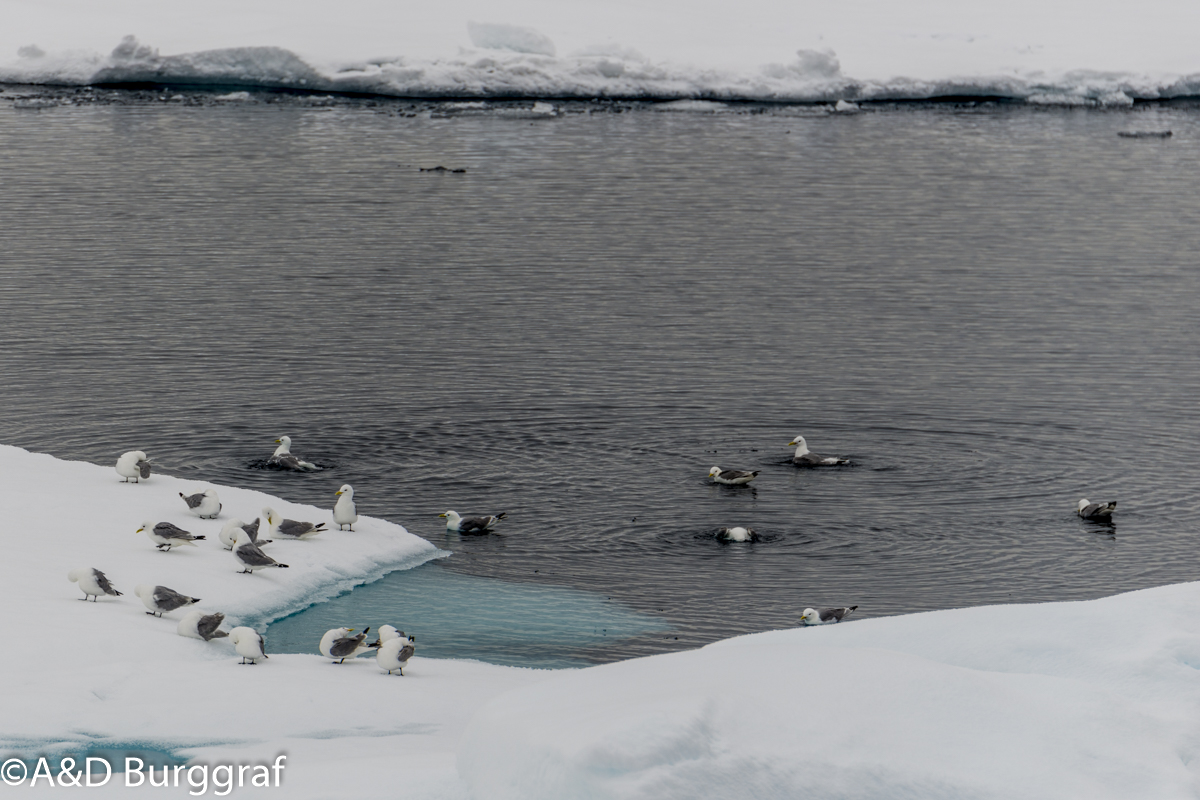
(731, 476)
(134, 465)
(339, 645)
(205, 505)
(282, 457)
(1089, 510)
(289, 527)
(164, 534)
(471, 524)
(199, 625)
(804, 458)
(250, 556)
(825, 616)
(249, 644)
(161, 600)
(345, 513)
(395, 653)
(93, 583)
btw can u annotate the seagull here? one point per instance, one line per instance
(1089, 510)
(731, 476)
(93, 583)
(199, 625)
(250, 556)
(387, 633)
(164, 534)
(345, 513)
(803, 458)
(282, 457)
(471, 524)
(248, 643)
(160, 599)
(290, 528)
(228, 534)
(134, 466)
(395, 653)
(339, 645)
(205, 505)
(738, 534)
(826, 616)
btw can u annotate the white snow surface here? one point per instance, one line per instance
(1053, 51)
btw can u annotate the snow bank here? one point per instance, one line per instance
(1066, 700)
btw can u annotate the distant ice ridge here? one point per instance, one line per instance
(510, 61)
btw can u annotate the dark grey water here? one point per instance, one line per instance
(992, 310)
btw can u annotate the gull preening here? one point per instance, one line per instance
(803, 457)
(731, 476)
(738, 534)
(338, 644)
(198, 625)
(825, 616)
(228, 534)
(345, 513)
(289, 527)
(249, 644)
(282, 457)
(161, 600)
(93, 583)
(386, 634)
(164, 534)
(395, 653)
(205, 505)
(133, 466)
(250, 556)
(1089, 510)
(459, 524)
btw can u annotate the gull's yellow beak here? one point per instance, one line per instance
(443, 516)
(339, 491)
(279, 441)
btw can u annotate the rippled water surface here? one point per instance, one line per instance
(991, 310)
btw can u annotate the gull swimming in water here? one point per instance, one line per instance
(249, 644)
(134, 465)
(93, 583)
(289, 527)
(338, 644)
(228, 533)
(164, 534)
(250, 556)
(804, 458)
(161, 600)
(282, 457)
(825, 616)
(345, 513)
(1089, 510)
(471, 524)
(395, 653)
(738, 534)
(198, 625)
(731, 476)
(205, 505)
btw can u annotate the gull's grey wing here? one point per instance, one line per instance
(835, 613)
(169, 599)
(474, 523)
(734, 474)
(290, 527)
(344, 647)
(287, 460)
(168, 531)
(251, 556)
(103, 583)
(144, 468)
(405, 653)
(252, 530)
(208, 624)
(193, 500)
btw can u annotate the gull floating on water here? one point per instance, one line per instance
(339, 645)
(205, 505)
(198, 625)
(345, 513)
(279, 526)
(164, 534)
(250, 556)
(1089, 510)
(395, 653)
(92, 582)
(228, 533)
(825, 616)
(471, 524)
(134, 466)
(804, 458)
(731, 476)
(282, 457)
(161, 600)
(249, 644)
(738, 534)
